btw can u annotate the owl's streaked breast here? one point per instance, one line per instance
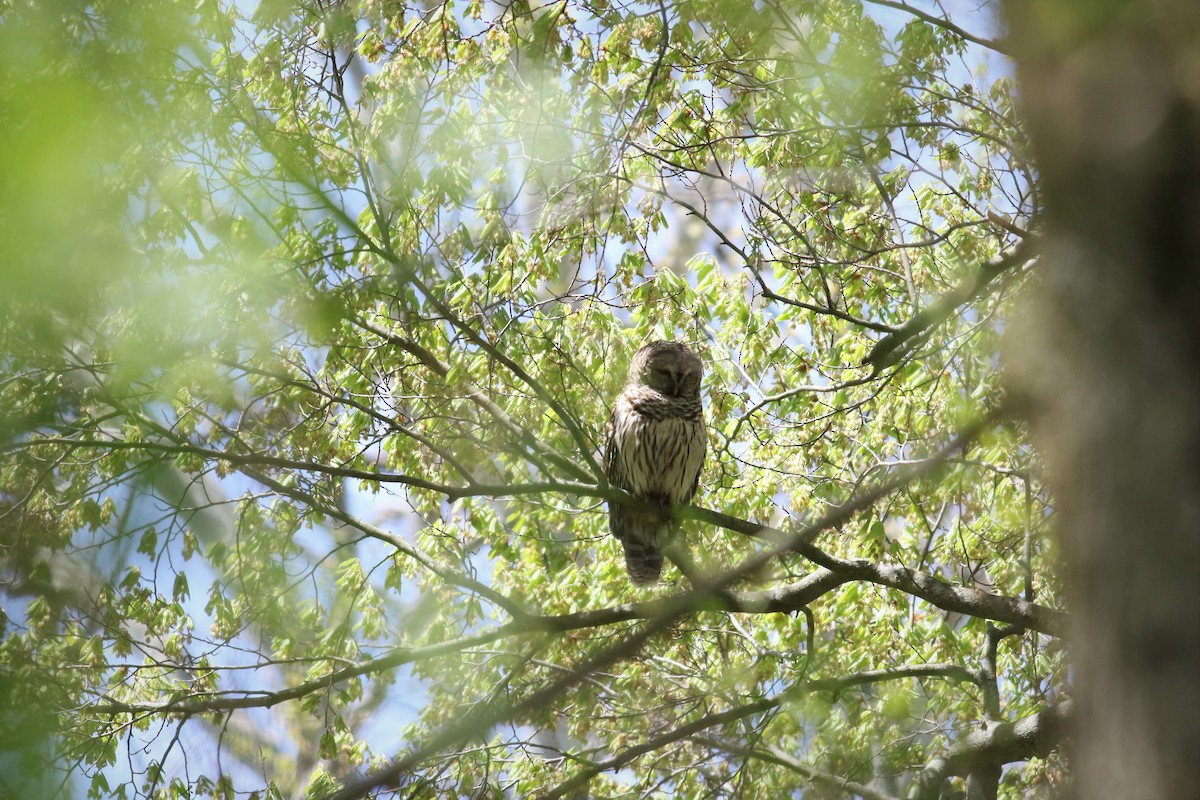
(661, 455)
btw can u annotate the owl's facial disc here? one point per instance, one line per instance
(662, 378)
(669, 369)
(670, 377)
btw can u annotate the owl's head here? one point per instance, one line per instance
(670, 368)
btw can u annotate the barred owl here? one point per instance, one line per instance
(654, 450)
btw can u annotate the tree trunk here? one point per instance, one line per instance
(1108, 363)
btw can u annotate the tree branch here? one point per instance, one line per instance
(946, 24)
(240, 460)
(974, 602)
(971, 601)
(894, 346)
(806, 590)
(440, 368)
(774, 755)
(995, 745)
(961, 599)
(631, 754)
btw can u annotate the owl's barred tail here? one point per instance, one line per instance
(641, 533)
(643, 563)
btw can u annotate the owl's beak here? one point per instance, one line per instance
(674, 385)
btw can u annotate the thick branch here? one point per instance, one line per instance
(964, 600)
(1005, 742)
(894, 346)
(961, 599)
(996, 745)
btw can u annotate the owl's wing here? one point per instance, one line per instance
(702, 442)
(620, 519)
(613, 465)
